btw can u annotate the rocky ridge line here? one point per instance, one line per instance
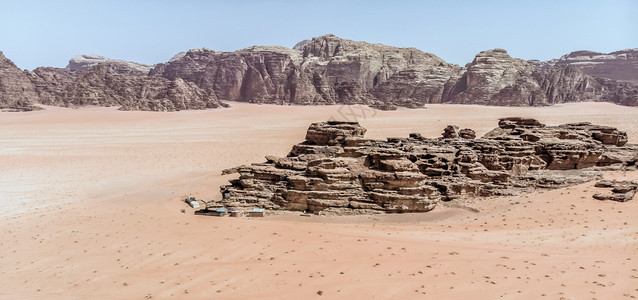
(332, 70)
(324, 70)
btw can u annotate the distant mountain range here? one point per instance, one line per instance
(324, 70)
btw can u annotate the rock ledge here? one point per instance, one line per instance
(337, 170)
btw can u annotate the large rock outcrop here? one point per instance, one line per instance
(332, 70)
(338, 170)
(85, 62)
(117, 84)
(326, 70)
(619, 65)
(495, 78)
(256, 74)
(17, 93)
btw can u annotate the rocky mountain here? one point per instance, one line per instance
(116, 83)
(337, 170)
(16, 90)
(619, 65)
(85, 62)
(324, 70)
(329, 70)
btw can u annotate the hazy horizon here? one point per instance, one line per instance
(40, 33)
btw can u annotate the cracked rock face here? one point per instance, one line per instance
(115, 84)
(332, 70)
(619, 65)
(337, 170)
(16, 90)
(321, 71)
(324, 70)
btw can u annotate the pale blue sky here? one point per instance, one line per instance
(49, 33)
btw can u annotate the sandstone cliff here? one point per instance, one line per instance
(17, 93)
(495, 78)
(332, 70)
(329, 70)
(324, 70)
(619, 65)
(117, 84)
(85, 62)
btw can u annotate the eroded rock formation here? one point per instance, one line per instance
(85, 62)
(117, 84)
(324, 70)
(338, 170)
(331, 70)
(619, 65)
(17, 93)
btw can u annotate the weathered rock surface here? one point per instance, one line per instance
(495, 78)
(619, 65)
(621, 191)
(326, 70)
(337, 170)
(84, 62)
(117, 84)
(17, 93)
(332, 70)
(256, 74)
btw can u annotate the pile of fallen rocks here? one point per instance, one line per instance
(337, 170)
(621, 191)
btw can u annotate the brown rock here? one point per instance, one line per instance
(450, 132)
(337, 171)
(467, 134)
(114, 84)
(622, 191)
(17, 93)
(495, 78)
(333, 132)
(619, 65)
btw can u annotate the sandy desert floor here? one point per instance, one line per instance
(91, 200)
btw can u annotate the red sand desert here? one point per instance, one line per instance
(91, 200)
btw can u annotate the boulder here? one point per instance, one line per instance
(333, 133)
(467, 133)
(450, 132)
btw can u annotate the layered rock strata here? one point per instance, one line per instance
(17, 93)
(331, 70)
(117, 84)
(324, 70)
(85, 62)
(618, 65)
(336, 169)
